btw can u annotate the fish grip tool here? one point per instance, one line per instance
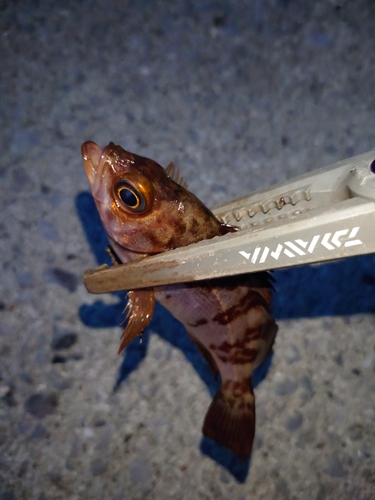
(323, 215)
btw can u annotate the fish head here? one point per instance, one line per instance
(143, 210)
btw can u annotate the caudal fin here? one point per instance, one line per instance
(230, 419)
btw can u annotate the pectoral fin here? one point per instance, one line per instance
(140, 308)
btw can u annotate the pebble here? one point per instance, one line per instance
(160, 422)
(99, 422)
(3, 434)
(70, 463)
(57, 358)
(322, 493)
(25, 279)
(49, 231)
(40, 432)
(281, 487)
(224, 476)
(55, 198)
(25, 377)
(369, 361)
(41, 405)
(293, 355)
(7, 495)
(61, 277)
(258, 442)
(23, 468)
(319, 40)
(62, 339)
(355, 432)
(308, 392)
(294, 422)
(58, 381)
(98, 466)
(23, 141)
(140, 471)
(338, 359)
(335, 468)
(77, 447)
(104, 438)
(88, 432)
(306, 384)
(41, 355)
(24, 427)
(286, 387)
(8, 397)
(55, 477)
(4, 390)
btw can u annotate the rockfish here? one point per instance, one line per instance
(146, 209)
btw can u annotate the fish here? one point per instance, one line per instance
(146, 209)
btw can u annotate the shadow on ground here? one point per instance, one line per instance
(345, 287)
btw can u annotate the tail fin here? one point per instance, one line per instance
(230, 419)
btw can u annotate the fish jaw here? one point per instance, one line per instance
(98, 168)
(93, 162)
(91, 154)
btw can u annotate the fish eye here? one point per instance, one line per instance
(135, 194)
(130, 196)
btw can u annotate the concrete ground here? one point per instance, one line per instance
(239, 95)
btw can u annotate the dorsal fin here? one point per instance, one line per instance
(175, 175)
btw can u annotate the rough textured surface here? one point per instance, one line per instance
(239, 95)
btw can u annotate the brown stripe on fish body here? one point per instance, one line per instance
(242, 351)
(236, 387)
(198, 322)
(251, 334)
(250, 300)
(243, 357)
(239, 356)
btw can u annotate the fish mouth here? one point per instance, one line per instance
(94, 160)
(91, 154)
(100, 165)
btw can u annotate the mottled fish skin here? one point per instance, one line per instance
(228, 318)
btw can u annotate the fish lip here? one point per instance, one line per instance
(91, 156)
(94, 160)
